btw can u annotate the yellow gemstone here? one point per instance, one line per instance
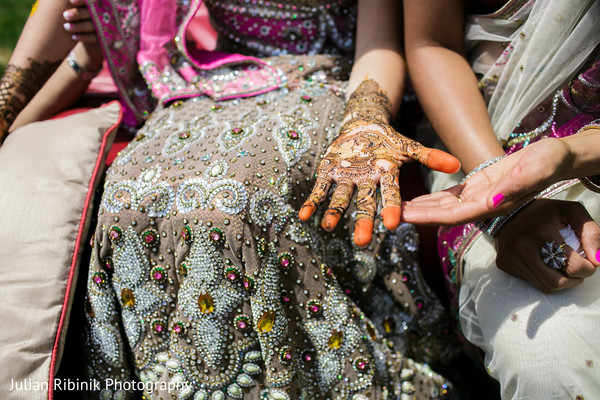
(265, 324)
(206, 303)
(371, 331)
(388, 325)
(335, 340)
(127, 297)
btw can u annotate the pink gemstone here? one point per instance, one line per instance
(215, 236)
(293, 134)
(405, 278)
(232, 276)
(177, 328)
(246, 284)
(419, 304)
(287, 355)
(158, 275)
(347, 291)
(149, 238)
(315, 308)
(158, 328)
(98, 280)
(286, 299)
(241, 325)
(285, 262)
(361, 365)
(114, 234)
(237, 131)
(308, 357)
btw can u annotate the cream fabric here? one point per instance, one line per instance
(538, 346)
(46, 171)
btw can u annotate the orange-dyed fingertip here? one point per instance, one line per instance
(441, 161)
(363, 231)
(305, 212)
(330, 220)
(391, 216)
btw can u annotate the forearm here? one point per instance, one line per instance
(38, 53)
(378, 53)
(444, 81)
(62, 90)
(447, 90)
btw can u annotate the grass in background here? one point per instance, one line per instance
(13, 14)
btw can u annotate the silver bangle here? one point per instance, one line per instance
(481, 166)
(83, 73)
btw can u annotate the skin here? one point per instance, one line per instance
(447, 90)
(45, 41)
(368, 152)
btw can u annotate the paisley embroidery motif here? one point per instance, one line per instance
(228, 195)
(294, 134)
(145, 194)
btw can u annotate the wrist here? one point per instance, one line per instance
(83, 65)
(584, 152)
(370, 103)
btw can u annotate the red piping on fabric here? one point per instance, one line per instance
(97, 168)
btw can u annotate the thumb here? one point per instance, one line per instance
(437, 160)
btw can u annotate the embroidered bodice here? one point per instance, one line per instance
(265, 28)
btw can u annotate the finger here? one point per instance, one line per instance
(390, 197)
(435, 159)
(77, 3)
(340, 200)
(317, 196)
(90, 38)
(82, 27)
(586, 229)
(365, 213)
(76, 14)
(452, 213)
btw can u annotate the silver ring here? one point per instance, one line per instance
(553, 255)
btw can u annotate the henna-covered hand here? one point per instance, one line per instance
(365, 156)
(18, 86)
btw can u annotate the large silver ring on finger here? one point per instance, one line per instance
(553, 255)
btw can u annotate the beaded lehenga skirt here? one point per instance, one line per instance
(204, 284)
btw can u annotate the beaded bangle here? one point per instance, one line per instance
(591, 182)
(481, 166)
(83, 73)
(493, 226)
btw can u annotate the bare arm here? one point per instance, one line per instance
(42, 46)
(65, 86)
(378, 54)
(368, 151)
(444, 81)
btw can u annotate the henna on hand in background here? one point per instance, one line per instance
(18, 85)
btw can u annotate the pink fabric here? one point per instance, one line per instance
(141, 33)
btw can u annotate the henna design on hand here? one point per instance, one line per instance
(18, 86)
(367, 153)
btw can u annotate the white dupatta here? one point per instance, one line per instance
(528, 50)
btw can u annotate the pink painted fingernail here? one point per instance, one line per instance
(498, 199)
(598, 256)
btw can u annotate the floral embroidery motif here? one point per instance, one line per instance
(207, 298)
